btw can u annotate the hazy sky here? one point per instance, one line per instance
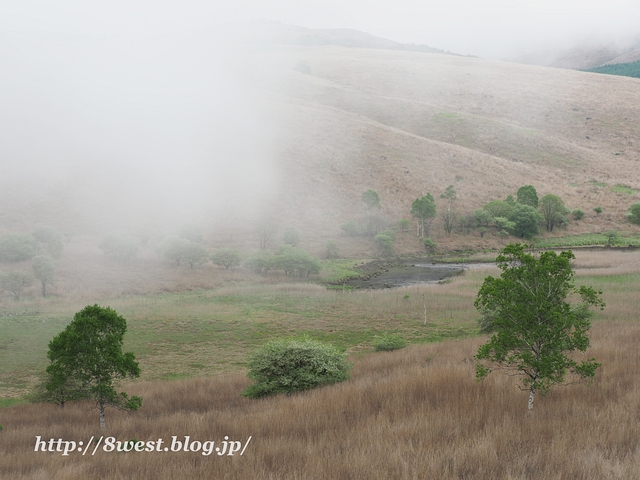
(492, 28)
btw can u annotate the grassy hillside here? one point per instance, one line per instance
(402, 123)
(416, 413)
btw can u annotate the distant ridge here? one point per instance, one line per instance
(344, 37)
(585, 56)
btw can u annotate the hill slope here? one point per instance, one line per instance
(403, 123)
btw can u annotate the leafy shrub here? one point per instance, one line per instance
(259, 262)
(404, 224)
(384, 242)
(429, 244)
(288, 366)
(577, 214)
(386, 343)
(598, 210)
(331, 249)
(633, 215)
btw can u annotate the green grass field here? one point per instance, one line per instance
(206, 332)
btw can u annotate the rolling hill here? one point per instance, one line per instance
(341, 120)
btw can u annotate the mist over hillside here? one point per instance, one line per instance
(105, 134)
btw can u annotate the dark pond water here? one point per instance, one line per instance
(401, 273)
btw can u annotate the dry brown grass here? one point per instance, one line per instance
(416, 413)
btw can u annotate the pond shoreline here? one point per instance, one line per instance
(402, 272)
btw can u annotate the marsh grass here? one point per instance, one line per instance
(205, 332)
(413, 413)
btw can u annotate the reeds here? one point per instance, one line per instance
(414, 413)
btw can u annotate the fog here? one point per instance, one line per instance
(129, 114)
(494, 29)
(126, 112)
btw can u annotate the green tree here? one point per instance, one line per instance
(553, 211)
(86, 358)
(527, 195)
(16, 247)
(227, 258)
(498, 208)
(15, 282)
(120, 246)
(384, 242)
(195, 254)
(295, 261)
(633, 214)
(44, 268)
(598, 210)
(534, 327)
(288, 366)
(371, 199)
(176, 249)
(424, 209)
(449, 216)
(525, 219)
(259, 262)
(612, 237)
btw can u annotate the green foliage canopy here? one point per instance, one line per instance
(553, 211)
(424, 209)
(227, 258)
(371, 199)
(288, 366)
(527, 195)
(633, 214)
(534, 327)
(525, 219)
(16, 247)
(86, 358)
(44, 268)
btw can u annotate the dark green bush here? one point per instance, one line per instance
(577, 214)
(288, 366)
(385, 343)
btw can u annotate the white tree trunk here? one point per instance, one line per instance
(101, 415)
(532, 392)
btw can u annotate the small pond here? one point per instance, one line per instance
(404, 272)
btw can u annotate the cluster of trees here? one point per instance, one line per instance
(520, 216)
(18, 247)
(631, 69)
(42, 247)
(291, 260)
